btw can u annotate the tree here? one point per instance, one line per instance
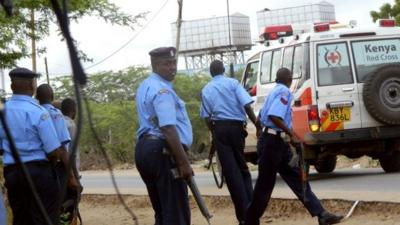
(16, 30)
(111, 96)
(106, 86)
(387, 11)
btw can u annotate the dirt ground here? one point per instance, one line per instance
(106, 210)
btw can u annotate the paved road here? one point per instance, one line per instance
(352, 184)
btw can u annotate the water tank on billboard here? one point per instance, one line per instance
(213, 33)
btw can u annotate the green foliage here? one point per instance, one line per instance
(387, 11)
(239, 74)
(17, 30)
(105, 86)
(116, 124)
(189, 89)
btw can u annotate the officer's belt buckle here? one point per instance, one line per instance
(274, 132)
(165, 151)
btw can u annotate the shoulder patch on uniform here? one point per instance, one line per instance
(163, 91)
(284, 101)
(45, 116)
(284, 97)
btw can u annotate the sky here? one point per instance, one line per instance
(99, 39)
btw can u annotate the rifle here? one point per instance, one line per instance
(196, 195)
(193, 188)
(211, 155)
(303, 169)
(71, 214)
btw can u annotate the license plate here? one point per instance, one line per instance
(340, 114)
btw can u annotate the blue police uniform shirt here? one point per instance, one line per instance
(158, 105)
(3, 210)
(59, 123)
(31, 128)
(278, 103)
(223, 98)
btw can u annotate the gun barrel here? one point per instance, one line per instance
(303, 170)
(199, 200)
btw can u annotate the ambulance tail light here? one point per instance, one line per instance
(313, 118)
(387, 23)
(253, 91)
(321, 27)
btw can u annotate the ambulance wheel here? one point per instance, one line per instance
(381, 94)
(390, 161)
(326, 164)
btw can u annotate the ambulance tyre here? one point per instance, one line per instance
(381, 94)
(326, 164)
(390, 161)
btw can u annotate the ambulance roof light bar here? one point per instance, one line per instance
(387, 23)
(276, 32)
(321, 27)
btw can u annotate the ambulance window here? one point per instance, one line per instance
(334, 64)
(250, 77)
(265, 76)
(298, 61)
(369, 55)
(276, 64)
(288, 58)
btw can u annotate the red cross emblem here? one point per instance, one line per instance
(333, 57)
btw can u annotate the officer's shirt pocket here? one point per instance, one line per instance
(181, 110)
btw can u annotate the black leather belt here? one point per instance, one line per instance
(27, 164)
(228, 122)
(154, 137)
(268, 130)
(150, 137)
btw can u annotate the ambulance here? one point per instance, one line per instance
(346, 87)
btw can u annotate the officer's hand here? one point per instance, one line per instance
(75, 185)
(294, 140)
(186, 171)
(259, 132)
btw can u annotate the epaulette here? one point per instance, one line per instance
(163, 91)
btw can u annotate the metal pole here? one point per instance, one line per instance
(47, 70)
(3, 82)
(178, 27)
(229, 24)
(231, 71)
(33, 40)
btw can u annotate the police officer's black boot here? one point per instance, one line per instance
(327, 218)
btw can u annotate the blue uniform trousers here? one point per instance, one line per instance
(169, 196)
(274, 156)
(24, 208)
(229, 140)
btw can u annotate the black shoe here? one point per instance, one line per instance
(327, 218)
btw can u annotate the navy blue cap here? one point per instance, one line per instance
(163, 52)
(22, 73)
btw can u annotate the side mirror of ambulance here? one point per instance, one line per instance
(252, 91)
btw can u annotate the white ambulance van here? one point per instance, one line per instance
(346, 87)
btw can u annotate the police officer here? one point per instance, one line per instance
(275, 155)
(164, 126)
(45, 95)
(225, 104)
(68, 109)
(38, 145)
